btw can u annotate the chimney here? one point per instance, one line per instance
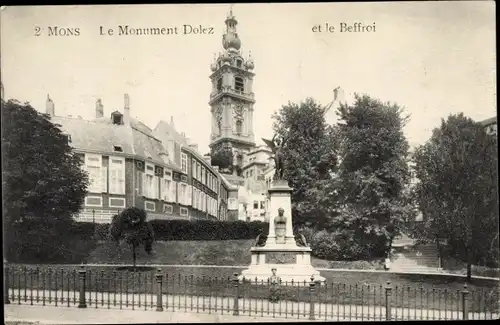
(99, 109)
(49, 106)
(207, 159)
(194, 146)
(126, 110)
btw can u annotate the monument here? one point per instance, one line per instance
(281, 251)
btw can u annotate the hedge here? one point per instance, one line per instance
(185, 230)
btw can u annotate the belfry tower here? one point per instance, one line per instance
(232, 99)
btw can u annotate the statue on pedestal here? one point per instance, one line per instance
(280, 226)
(276, 145)
(300, 239)
(260, 241)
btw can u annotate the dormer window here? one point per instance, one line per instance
(219, 84)
(117, 149)
(117, 118)
(239, 85)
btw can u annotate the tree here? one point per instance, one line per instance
(132, 227)
(458, 192)
(374, 172)
(310, 160)
(223, 158)
(43, 185)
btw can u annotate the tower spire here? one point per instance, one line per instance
(230, 39)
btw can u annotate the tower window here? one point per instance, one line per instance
(219, 84)
(238, 63)
(239, 127)
(239, 84)
(117, 118)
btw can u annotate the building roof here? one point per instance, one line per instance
(101, 136)
(168, 129)
(489, 121)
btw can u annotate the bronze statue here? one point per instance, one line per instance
(260, 241)
(276, 145)
(301, 240)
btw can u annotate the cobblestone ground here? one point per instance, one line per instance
(255, 308)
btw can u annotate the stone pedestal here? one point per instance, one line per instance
(292, 262)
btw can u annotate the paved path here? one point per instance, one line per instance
(73, 315)
(223, 306)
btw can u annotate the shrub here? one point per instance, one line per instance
(183, 230)
(343, 245)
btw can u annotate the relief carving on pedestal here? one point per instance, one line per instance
(281, 258)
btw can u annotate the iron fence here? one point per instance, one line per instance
(160, 291)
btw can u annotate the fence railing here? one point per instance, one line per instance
(161, 291)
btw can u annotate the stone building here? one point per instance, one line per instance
(130, 164)
(490, 125)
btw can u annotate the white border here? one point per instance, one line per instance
(150, 202)
(171, 208)
(93, 197)
(117, 198)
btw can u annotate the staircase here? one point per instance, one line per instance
(418, 259)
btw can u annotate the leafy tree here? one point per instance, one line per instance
(310, 160)
(43, 185)
(132, 227)
(223, 158)
(458, 192)
(374, 172)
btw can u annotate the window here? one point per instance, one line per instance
(239, 84)
(116, 175)
(97, 174)
(262, 204)
(168, 209)
(150, 190)
(198, 166)
(203, 176)
(195, 198)
(93, 201)
(193, 169)
(149, 206)
(219, 84)
(117, 119)
(255, 204)
(203, 202)
(116, 202)
(239, 127)
(184, 212)
(117, 149)
(238, 63)
(184, 166)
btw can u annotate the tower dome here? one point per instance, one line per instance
(213, 66)
(231, 40)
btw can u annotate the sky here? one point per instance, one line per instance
(432, 58)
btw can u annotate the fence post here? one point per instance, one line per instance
(388, 294)
(465, 308)
(82, 273)
(5, 282)
(236, 283)
(159, 294)
(312, 285)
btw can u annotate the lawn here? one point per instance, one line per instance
(227, 252)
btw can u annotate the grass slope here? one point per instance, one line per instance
(227, 252)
